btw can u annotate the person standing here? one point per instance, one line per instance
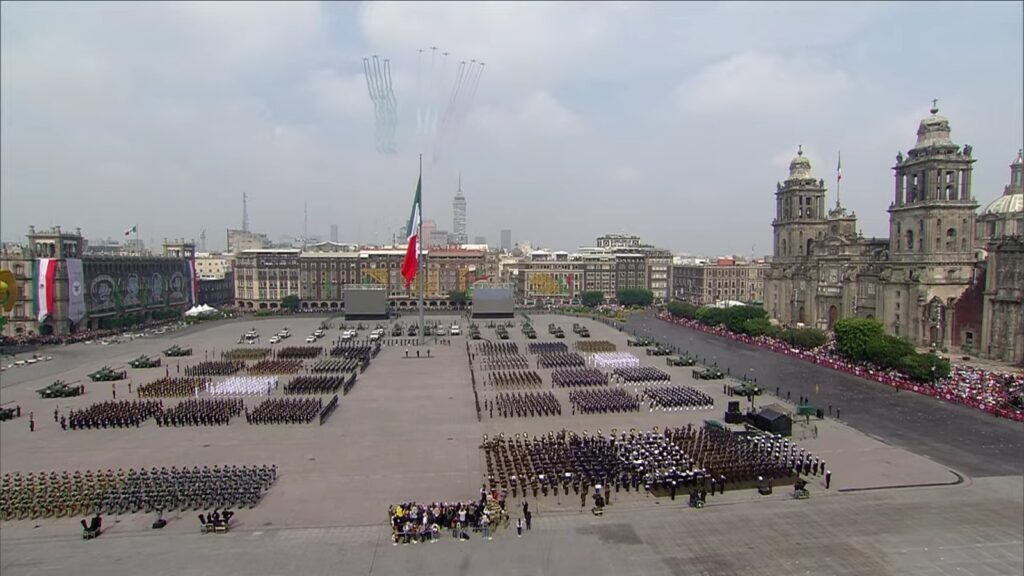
(529, 518)
(519, 527)
(31, 422)
(828, 479)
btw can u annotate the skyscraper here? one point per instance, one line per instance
(334, 232)
(506, 240)
(459, 216)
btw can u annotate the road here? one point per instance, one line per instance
(968, 440)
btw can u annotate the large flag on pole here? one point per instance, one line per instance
(45, 287)
(412, 251)
(131, 230)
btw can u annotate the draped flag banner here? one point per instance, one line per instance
(45, 287)
(76, 290)
(193, 281)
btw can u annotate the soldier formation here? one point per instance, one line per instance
(300, 352)
(575, 377)
(201, 412)
(522, 404)
(122, 492)
(603, 401)
(114, 414)
(215, 368)
(316, 384)
(677, 397)
(285, 411)
(277, 366)
(547, 347)
(336, 365)
(243, 386)
(170, 388)
(560, 360)
(594, 346)
(640, 375)
(246, 354)
(513, 380)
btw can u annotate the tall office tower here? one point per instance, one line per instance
(459, 216)
(506, 240)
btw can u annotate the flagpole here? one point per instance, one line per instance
(839, 175)
(420, 262)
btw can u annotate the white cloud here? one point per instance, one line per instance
(340, 95)
(753, 84)
(539, 116)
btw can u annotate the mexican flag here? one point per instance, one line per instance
(45, 287)
(412, 251)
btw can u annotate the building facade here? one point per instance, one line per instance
(111, 286)
(242, 240)
(924, 282)
(708, 283)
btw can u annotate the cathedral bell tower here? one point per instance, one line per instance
(932, 216)
(800, 217)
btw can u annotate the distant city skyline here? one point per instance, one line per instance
(671, 120)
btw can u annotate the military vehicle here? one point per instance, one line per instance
(8, 413)
(176, 351)
(708, 374)
(584, 332)
(746, 389)
(59, 390)
(576, 327)
(396, 330)
(108, 374)
(639, 342)
(145, 362)
(659, 351)
(680, 361)
(559, 333)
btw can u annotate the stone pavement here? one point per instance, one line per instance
(409, 431)
(964, 530)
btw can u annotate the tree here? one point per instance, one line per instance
(759, 327)
(592, 298)
(290, 302)
(804, 338)
(855, 335)
(458, 297)
(635, 297)
(888, 351)
(681, 309)
(924, 367)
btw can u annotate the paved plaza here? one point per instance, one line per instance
(409, 430)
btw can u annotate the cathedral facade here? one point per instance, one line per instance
(926, 281)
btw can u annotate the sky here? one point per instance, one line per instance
(672, 121)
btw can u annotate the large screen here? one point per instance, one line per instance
(492, 301)
(366, 303)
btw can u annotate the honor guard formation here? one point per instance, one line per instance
(202, 412)
(513, 380)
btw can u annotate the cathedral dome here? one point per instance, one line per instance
(1006, 204)
(934, 131)
(800, 167)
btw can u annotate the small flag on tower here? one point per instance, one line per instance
(839, 168)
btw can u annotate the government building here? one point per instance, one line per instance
(945, 277)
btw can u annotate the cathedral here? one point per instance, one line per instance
(946, 277)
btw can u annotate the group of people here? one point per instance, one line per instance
(336, 365)
(276, 366)
(998, 393)
(413, 523)
(640, 375)
(514, 380)
(523, 404)
(677, 398)
(300, 352)
(560, 360)
(612, 360)
(316, 384)
(132, 491)
(201, 412)
(170, 388)
(547, 347)
(285, 411)
(113, 414)
(243, 386)
(245, 354)
(594, 346)
(576, 377)
(215, 368)
(543, 464)
(603, 401)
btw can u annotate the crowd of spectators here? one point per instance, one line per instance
(998, 393)
(81, 336)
